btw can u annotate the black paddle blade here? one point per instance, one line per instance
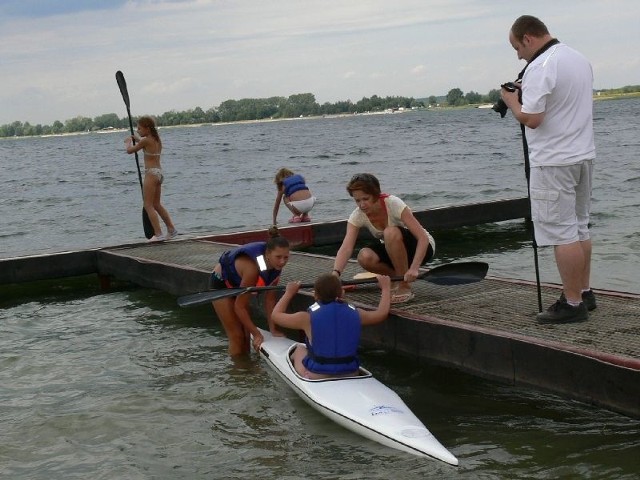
(146, 224)
(457, 273)
(122, 84)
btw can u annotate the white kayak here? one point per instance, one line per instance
(362, 404)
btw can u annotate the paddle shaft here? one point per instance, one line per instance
(448, 274)
(527, 172)
(122, 84)
(213, 295)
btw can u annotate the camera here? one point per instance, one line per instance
(509, 86)
(500, 106)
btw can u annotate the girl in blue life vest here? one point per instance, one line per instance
(332, 327)
(250, 265)
(297, 196)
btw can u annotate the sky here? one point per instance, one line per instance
(58, 58)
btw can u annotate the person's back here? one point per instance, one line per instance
(332, 327)
(297, 196)
(560, 83)
(335, 334)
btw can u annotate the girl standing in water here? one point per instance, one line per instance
(249, 265)
(149, 142)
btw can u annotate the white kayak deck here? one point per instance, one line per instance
(360, 403)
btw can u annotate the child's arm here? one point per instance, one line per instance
(279, 315)
(368, 317)
(422, 243)
(276, 206)
(131, 147)
(346, 249)
(269, 305)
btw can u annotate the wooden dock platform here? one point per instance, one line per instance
(486, 328)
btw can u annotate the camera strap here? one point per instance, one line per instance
(545, 47)
(527, 166)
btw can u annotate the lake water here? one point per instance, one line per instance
(81, 191)
(126, 385)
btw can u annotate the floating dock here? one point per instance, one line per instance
(486, 328)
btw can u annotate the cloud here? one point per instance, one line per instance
(47, 8)
(59, 62)
(158, 88)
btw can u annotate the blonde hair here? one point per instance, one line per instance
(147, 121)
(281, 175)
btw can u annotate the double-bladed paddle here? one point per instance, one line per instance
(146, 222)
(449, 274)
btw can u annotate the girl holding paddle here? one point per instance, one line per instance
(249, 265)
(401, 244)
(149, 142)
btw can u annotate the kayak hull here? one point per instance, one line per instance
(361, 404)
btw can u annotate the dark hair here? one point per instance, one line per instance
(528, 25)
(365, 182)
(275, 239)
(327, 288)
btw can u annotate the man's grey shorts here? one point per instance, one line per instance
(561, 202)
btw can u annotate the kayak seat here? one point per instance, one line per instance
(362, 373)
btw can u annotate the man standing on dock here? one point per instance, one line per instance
(554, 102)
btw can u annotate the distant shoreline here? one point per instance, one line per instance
(596, 97)
(214, 124)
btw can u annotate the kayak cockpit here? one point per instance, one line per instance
(362, 372)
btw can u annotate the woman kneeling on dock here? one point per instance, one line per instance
(250, 265)
(402, 244)
(332, 327)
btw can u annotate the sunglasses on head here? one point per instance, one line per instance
(362, 177)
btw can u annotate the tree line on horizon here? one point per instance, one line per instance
(294, 106)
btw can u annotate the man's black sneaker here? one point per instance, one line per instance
(588, 298)
(562, 312)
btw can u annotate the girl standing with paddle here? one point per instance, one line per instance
(151, 145)
(252, 264)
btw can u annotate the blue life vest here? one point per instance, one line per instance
(255, 251)
(293, 184)
(335, 333)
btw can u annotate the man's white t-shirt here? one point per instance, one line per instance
(559, 83)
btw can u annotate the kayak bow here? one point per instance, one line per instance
(361, 404)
